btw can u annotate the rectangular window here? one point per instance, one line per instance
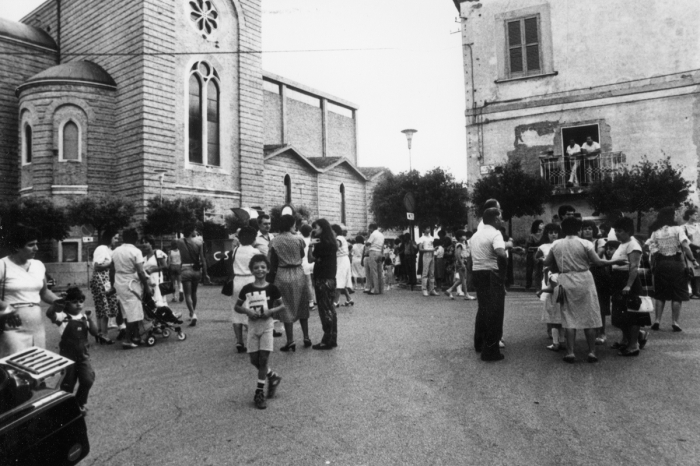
(524, 46)
(28, 144)
(70, 251)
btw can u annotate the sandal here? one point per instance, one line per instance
(569, 359)
(600, 341)
(618, 345)
(592, 358)
(553, 347)
(629, 353)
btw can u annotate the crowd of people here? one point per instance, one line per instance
(583, 273)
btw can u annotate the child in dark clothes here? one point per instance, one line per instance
(74, 326)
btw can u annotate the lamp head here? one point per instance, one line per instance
(409, 135)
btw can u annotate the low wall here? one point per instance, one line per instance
(74, 273)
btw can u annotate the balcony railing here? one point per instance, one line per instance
(574, 174)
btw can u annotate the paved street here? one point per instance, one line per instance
(404, 387)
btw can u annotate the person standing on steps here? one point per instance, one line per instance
(194, 268)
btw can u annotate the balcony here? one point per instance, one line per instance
(573, 175)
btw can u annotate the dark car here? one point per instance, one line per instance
(39, 425)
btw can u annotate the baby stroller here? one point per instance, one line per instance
(162, 320)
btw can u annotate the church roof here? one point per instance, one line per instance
(370, 172)
(76, 72)
(318, 164)
(27, 34)
(324, 162)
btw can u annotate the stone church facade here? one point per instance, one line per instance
(111, 97)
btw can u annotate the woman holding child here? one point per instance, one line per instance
(575, 291)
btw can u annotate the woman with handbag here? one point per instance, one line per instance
(106, 303)
(23, 287)
(240, 275)
(669, 246)
(626, 287)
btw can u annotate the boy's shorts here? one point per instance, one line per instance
(260, 340)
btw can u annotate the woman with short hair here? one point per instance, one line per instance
(22, 288)
(358, 270)
(625, 283)
(668, 246)
(131, 283)
(343, 274)
(575, 292)
(286, 254)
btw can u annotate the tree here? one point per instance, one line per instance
(300, 213)
(519, 193)
(102, 212)
(41, 214)
(440, 200)
(644, 187)
(168, 216)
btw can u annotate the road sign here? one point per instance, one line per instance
(410, 216)
(409, 202)
(87, 239)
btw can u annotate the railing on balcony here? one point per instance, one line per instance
(572, 174)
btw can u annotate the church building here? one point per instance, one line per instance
(134, 98)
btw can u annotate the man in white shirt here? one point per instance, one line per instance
(591, 151)
(376, 260)
(427, 251)
(571, 160)
(262, 241)
(489, 270)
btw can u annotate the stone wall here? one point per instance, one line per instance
(342, 140)
(355, 197)
(304, 182)
(14, 71)
(305, 128)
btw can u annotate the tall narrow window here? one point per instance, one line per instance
(71, 141)
(27, 144)
(213, 124)
(204, 115)
(524, 57)
(195, 123)
(343, 219)
(287, 189)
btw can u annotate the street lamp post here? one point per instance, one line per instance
(409, 137)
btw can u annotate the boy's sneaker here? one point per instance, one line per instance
(272, 383)
(259, 399)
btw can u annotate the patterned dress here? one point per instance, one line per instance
(105, 306)
(286, 255)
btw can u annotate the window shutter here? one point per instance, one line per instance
(515, 47)
(532, 44)
(70, 141)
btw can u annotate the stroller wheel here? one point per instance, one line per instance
(166, 333)
(181, 336)
(151, 340)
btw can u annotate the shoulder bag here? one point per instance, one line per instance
(165, 287)
(227, 289)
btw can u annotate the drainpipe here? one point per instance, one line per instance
(58, 29)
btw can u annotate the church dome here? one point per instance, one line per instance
(77, 72)
(22, 33)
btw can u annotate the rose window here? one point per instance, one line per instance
(204, 16)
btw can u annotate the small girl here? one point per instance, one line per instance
(74, 327)
(551, 313)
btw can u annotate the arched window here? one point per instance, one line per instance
(27, 143)
(204, 115)
(70, 142)
(343, 219)
(287, 189)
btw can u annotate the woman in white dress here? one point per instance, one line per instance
(23, 286)
(131, 284)
(551, 313)
(343, 274)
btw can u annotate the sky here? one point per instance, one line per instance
(400, 61)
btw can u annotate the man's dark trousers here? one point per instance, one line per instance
(488, 328)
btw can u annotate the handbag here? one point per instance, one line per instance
(227, 289)
(166, 288)
(640, 304)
